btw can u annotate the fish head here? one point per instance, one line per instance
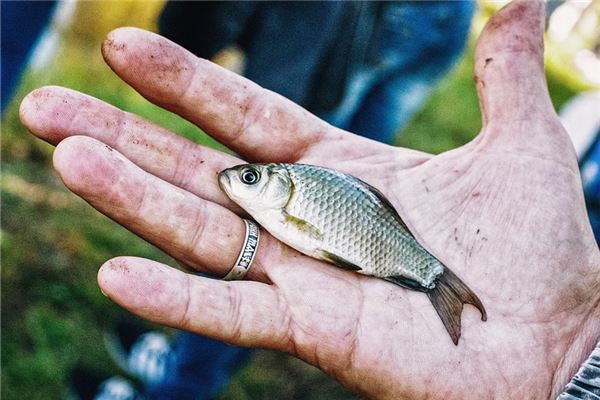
(257, 187)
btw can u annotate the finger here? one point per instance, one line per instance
(241, 313)
(55, 113)
(509, 74)
(199, 233)
(256, 123)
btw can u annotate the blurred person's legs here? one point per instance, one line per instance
(198, 368)
(389, 106)
(416, 43)
(188, 367)
(283, 41)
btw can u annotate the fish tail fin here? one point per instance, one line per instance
(448, 297)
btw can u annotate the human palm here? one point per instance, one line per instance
(504, 212)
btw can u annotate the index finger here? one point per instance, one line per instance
(254, 122)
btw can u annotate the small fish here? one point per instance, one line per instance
(342, 220)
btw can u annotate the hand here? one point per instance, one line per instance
(505, 212)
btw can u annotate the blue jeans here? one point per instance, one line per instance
(198, 368)
(418, 43)
(590, 177)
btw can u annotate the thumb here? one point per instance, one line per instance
(509, 75)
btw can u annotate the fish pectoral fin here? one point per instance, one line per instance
(406, 282)
(337, 260)
(303, 226)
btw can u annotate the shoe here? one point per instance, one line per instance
(86, 384)
(142, 354)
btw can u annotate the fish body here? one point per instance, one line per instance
(340, 219)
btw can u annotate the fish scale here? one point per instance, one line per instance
(368, 236)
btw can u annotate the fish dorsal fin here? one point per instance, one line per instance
(337, 260)
(386, 203)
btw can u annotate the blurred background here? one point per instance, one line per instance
(53, 313)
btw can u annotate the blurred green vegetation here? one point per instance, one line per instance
(451, 117)
(52, 242)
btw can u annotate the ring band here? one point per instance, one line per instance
(244, 260)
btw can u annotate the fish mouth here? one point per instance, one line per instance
(224, 181)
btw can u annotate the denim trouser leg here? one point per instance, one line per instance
(590, 177)
(418, 43)
(389, 106)
(199, 368)
(22, 24)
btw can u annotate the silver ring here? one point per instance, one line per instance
(244, 260)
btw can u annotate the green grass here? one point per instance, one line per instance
(451, 115)
(52, 242)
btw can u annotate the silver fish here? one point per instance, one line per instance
(342, 220)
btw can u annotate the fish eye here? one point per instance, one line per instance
(249, 176)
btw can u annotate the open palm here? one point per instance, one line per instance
(504, 212)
